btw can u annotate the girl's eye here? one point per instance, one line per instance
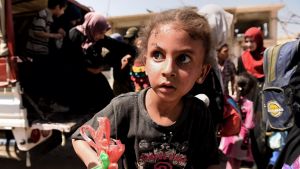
(157, 56)
(183, 59)
(249, 41)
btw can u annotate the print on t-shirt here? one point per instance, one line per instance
(162, 155)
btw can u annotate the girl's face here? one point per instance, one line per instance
(250, 44)
(174, 62)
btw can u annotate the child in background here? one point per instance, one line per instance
(238, 148)
(38, 54)
(37, 46)
(137, 74)
(162, 126)
(227, 69)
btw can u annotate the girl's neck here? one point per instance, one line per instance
(161, 112)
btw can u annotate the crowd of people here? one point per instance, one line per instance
(67, 52)
(157, 71)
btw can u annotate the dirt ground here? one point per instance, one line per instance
(62, 157)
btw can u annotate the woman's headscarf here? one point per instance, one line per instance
(220, 24)
(253, 60)
(93, 24)
(257, 36)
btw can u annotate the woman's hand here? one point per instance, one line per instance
(124, 61)
(62, 32)
(94, 70)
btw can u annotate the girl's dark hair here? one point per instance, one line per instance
(245, 83)
(53, 3)
(186, 19)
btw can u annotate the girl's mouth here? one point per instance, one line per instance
(166, 88)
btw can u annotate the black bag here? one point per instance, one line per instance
(211, 87)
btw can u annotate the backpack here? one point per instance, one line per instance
(281, 65)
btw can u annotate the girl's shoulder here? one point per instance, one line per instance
(126, 97)
(130, 98)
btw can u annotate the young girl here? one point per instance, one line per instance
(238, 148)
(162, 126)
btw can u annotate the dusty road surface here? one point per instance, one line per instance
(62, 157)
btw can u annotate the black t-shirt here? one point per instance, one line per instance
(189, 143)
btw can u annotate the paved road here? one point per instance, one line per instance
(62, 157)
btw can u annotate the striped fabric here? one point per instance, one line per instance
(39, 45)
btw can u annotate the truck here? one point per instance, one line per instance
(24, 125)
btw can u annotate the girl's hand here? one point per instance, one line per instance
(93, 166)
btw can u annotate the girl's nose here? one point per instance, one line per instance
(169, 68)
(248, 45)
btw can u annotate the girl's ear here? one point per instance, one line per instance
(203, 74)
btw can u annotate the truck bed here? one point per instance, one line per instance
(14, 115)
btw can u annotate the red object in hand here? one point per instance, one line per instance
(101, 140)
